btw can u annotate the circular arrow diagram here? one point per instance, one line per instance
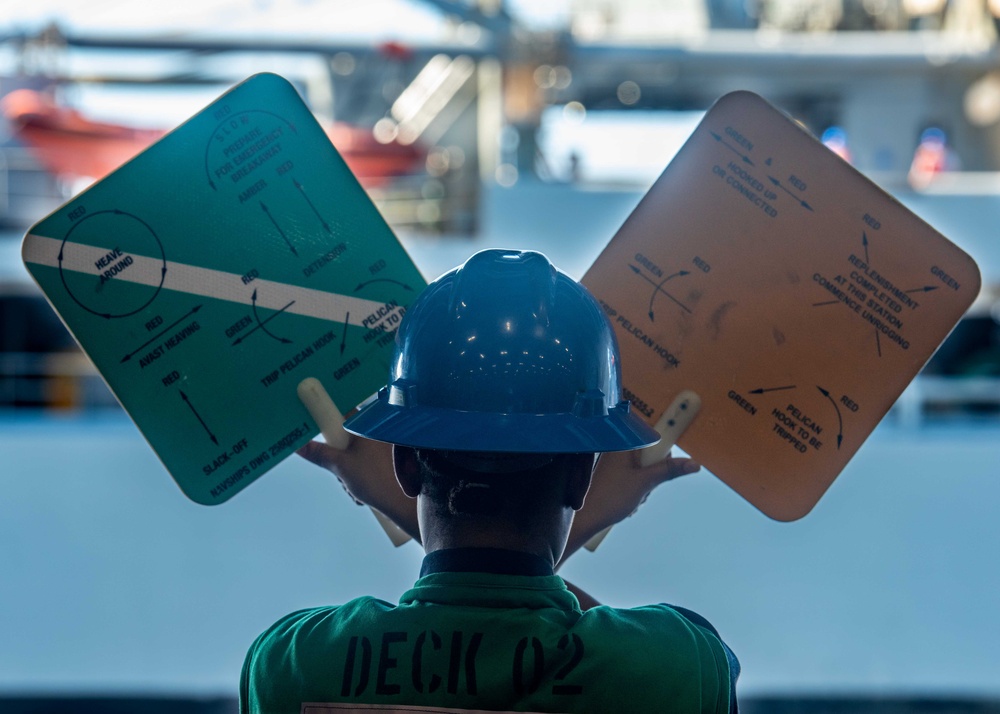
(658, 288)
(261, 323)
(106, 314)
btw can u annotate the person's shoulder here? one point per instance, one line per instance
(666, 615)
(297, 649)
(310, 622)
(310, 630)
(674, 614)
(679, 633)
(679, 649)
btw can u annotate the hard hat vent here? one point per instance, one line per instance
(591, 403)
(403, 393)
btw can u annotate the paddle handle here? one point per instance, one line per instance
(330, 421)
(677, 417)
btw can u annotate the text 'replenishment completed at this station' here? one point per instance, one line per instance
(794, 296)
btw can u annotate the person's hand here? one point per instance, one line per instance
(365, 471)
(620, 485)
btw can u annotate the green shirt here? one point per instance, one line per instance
(470, 640)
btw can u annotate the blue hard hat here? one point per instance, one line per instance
(505, 354)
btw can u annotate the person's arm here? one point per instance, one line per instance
(365, 471)
(620, 485)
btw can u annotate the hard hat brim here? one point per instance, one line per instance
(447, 429)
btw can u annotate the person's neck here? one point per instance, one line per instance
(544, 537)
(539, 548)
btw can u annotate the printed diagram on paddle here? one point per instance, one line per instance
(210, 275)
(789, 293)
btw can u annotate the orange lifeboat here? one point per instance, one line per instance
(71, 146)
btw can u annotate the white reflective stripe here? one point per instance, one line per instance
(217, 284)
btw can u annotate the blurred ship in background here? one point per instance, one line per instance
(490, 126)
(496, 123)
